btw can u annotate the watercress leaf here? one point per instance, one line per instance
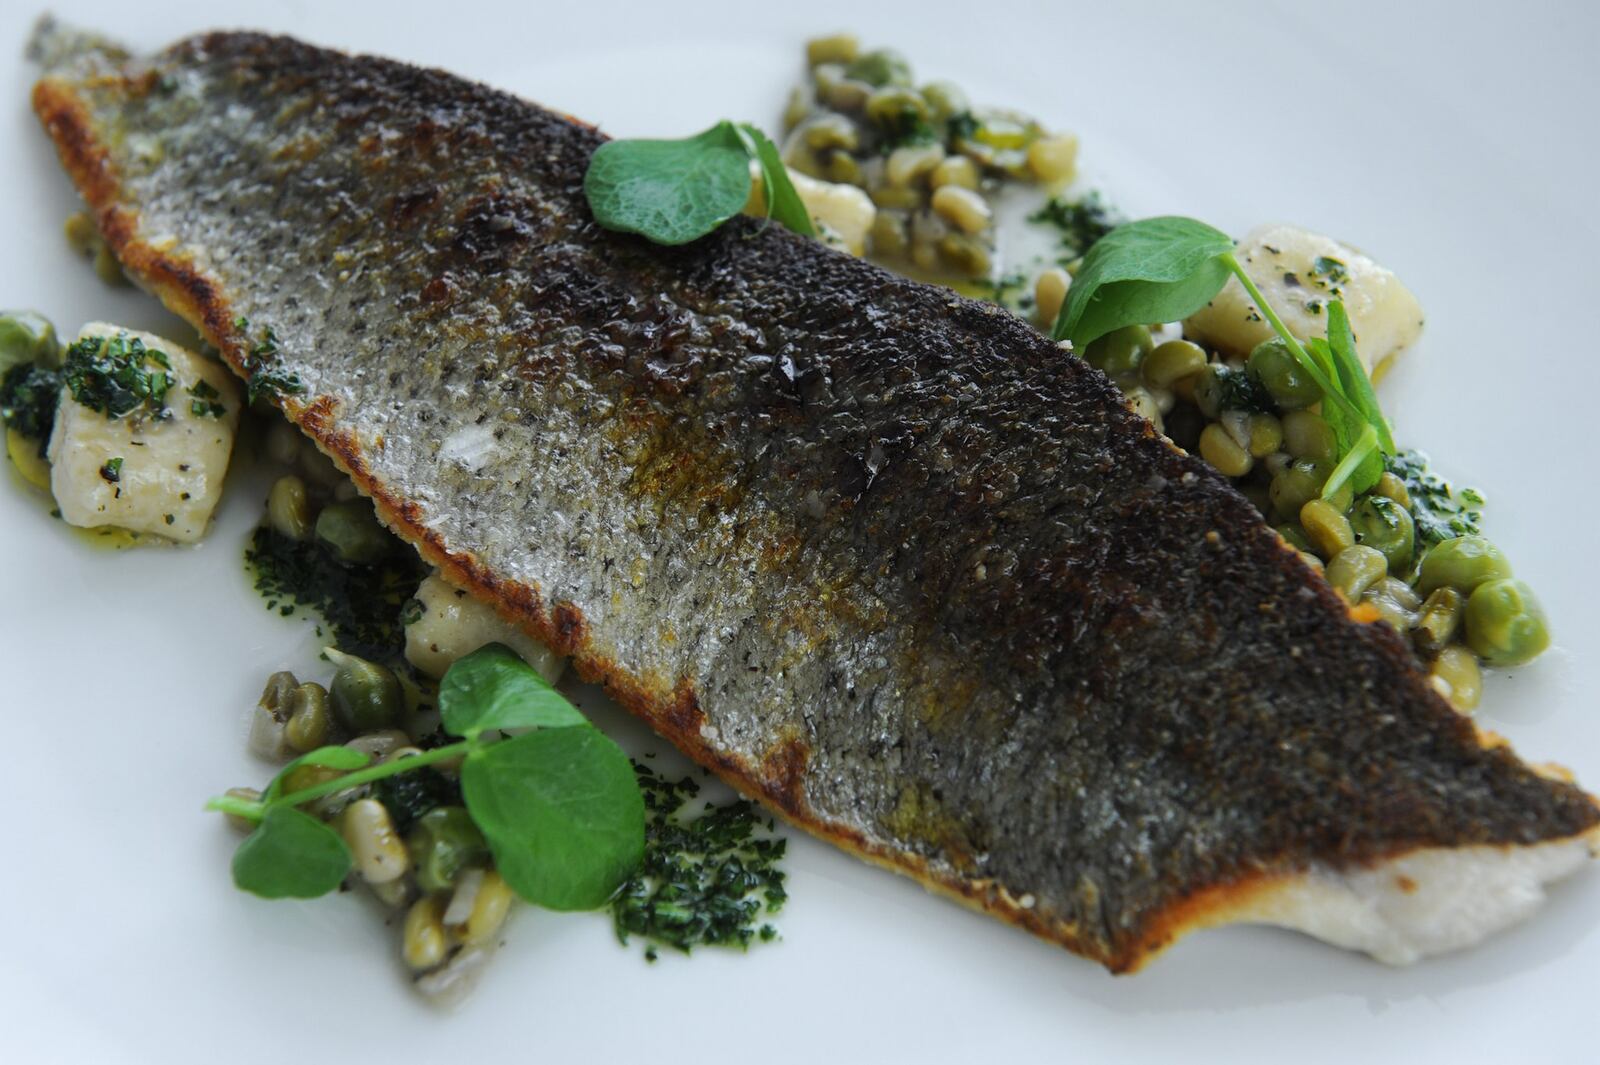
(493, 688)
(1353, 379)
(1154, 270)
(669, 191)
(562, 812)
(290, 855)
(783, 202)
(331, 757)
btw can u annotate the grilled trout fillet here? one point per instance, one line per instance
(884, 558)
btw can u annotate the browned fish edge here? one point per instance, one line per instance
(778, 782)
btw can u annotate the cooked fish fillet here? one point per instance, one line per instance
(885, 558)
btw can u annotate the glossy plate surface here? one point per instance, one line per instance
(1458, 150)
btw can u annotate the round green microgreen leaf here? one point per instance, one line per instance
(328, 757)
(669, 191)
(290, 855)
(562, 812)
(1154, 270)
(493, 688)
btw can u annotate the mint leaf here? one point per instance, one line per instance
(493, 688)
(783, 202)
(562, 812)
(669, 191)
(291, 855)
(1154, 270)
(331, 757)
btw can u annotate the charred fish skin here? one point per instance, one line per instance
(882, 556)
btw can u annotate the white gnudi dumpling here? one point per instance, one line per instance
(1299, 272)
(454, 624)
(160, 475)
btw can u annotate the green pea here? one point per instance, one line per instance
(351, 532)
(1172, 362)
(1300, 482)
(1505, 624)
(1355, 569)
(108, 269)
(1119, 351)
(802, 100)
(309, 720)
(1283, 376)
(838, 91)
(1210, 389)
(964, 255)
(1382, 523)
(1308, 436)
(838, 48)
(443, 843)
(1295, 535)
(895, 108)
(27, 337)
(820, 132)
(1462, 563)
(890, 236)
(366, 696)
(879, 68)
(289, 508)
(944, 99)
(842, 168)
(1438, 620)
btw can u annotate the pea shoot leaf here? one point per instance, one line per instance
(1358, 424)
(562, 812)
(331, 757)
(670, 191)
(290, 855)
(493, 688)
(783, 202)
(1154, 270)
(1353, 379)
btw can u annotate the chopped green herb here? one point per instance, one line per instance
(1013, 291)
(1081, 222)
(411, 795)
(906, 128)
(361, 604)
(706, 880)
(112, 375)
(1240, 390)
(262, 377)
(28, 397)
(112, 470)
(1332, 270)
(961, 126)
(205, 402)
(1439, 512)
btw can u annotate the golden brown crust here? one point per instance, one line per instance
(672, 710)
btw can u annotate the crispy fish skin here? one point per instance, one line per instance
(884, 558)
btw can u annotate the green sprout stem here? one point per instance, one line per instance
(255, 810)
(1364, 446)
(1300, 354)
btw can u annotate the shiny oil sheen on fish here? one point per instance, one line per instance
(884, 557)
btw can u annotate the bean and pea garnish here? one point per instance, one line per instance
(931, 161)
(1297, 427)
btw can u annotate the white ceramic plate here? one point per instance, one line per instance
(1459, 150)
